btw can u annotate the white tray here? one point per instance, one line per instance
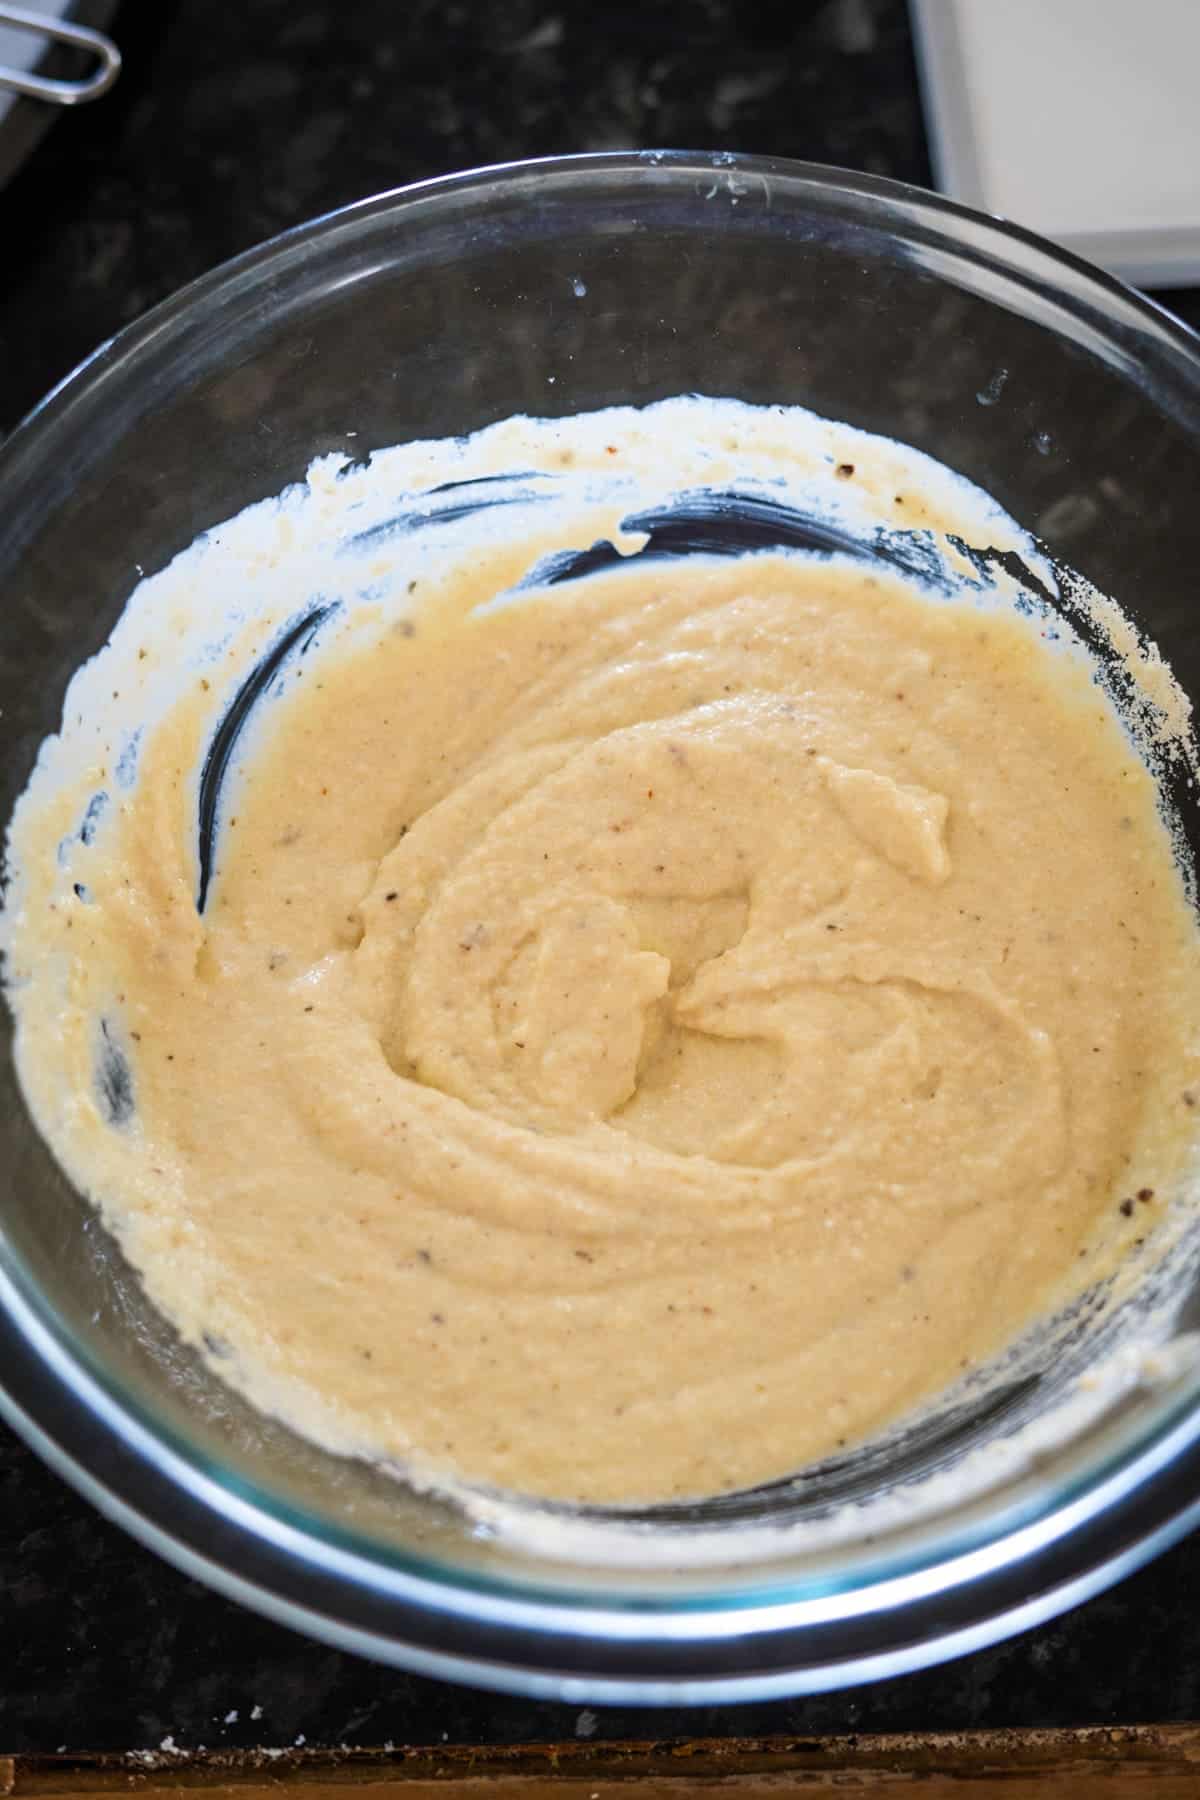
(1077, 118)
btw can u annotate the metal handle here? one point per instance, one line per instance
(61, 31)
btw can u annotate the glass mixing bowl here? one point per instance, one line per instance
(549, 288)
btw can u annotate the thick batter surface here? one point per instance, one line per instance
(638, 1038)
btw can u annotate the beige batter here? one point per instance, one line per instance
(640, 1038)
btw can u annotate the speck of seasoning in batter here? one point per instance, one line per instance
(438, 1318)
(1126, 1209)
(1145, 1195)
(393, 895)
(844, 471)
(1188, 1097)
(424, 1256)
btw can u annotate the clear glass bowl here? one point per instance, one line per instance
(549, 288)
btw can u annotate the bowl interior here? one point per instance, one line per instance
(549, 290)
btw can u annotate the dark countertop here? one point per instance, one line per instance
(229, 124)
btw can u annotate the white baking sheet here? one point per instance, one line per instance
(1077, 118)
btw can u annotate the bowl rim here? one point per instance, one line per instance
(1140, 308)
(552, 1641)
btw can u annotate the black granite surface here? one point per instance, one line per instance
(229, 124)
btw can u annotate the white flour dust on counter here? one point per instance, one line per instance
(612, 958)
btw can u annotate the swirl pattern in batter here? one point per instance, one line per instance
(638, 1038)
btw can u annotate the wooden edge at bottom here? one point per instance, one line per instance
(1155, 1762)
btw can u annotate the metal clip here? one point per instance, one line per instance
(61, 31)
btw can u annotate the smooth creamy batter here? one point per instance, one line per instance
(640, 1037)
